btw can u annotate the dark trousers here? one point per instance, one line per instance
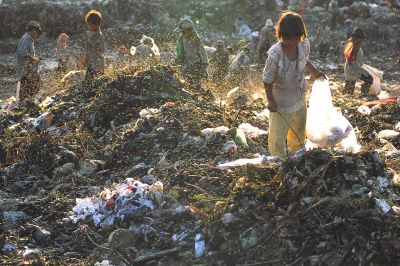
(350, 86)
(323, 49)
(30, 85)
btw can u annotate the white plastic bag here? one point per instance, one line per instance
(251, 131)
(377, 75)
(326, 128)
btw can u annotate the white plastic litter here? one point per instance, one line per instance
(263, 115)
(232, 95)
(38, 122)
(148, 112)
(382, 205)
(129, 198)
(199, 246)
(384, 95)
(388, 134)
(104, 263)
(260, 160)
(211, 133)
(233, 92)
(377, 76)
(245, 32)
(396, 210)
(382, 182)
(252, 132)
(363, 109)
(229, 218)
(326, 128)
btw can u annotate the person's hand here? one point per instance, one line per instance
(35, 60)
(272, 107)
(320, 75)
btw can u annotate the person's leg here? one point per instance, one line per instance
(89, 76)
(18, 88)
(368, 80)
(349, 87)
(17, 93)
(326, 49)
(296, 135)
(278, 129)
(321, 49)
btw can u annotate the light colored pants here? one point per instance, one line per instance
(287, 126)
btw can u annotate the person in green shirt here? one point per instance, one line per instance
(191, 54)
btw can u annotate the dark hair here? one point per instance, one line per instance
(290, 25)
(358, 33)
(31, 28)
(34, 25)
(94, 17)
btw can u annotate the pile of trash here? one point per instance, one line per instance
(139, 167)
(127, 200)
(317, 208)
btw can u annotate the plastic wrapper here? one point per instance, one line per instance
(258, 161)
(212, 134)
(377, 75)
(252, 132)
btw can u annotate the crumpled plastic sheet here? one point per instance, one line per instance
(129, 198)
(199, 245)
(211, 133)
(262, 160)
(148, 112)
(37, 123)
(251, 131)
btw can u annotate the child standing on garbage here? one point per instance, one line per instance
(61, 52)
(27, 62)
(240, 68)
(144, 55)
(220, 60)
(324, 38)
(267, 38)
(285, 84)
(354, 60)
(95, 46)
(191, 54)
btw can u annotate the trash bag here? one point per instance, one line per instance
(326, 128)
(377, 75)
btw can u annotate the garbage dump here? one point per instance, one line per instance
(136, 167)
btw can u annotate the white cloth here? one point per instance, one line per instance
(287, 76)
